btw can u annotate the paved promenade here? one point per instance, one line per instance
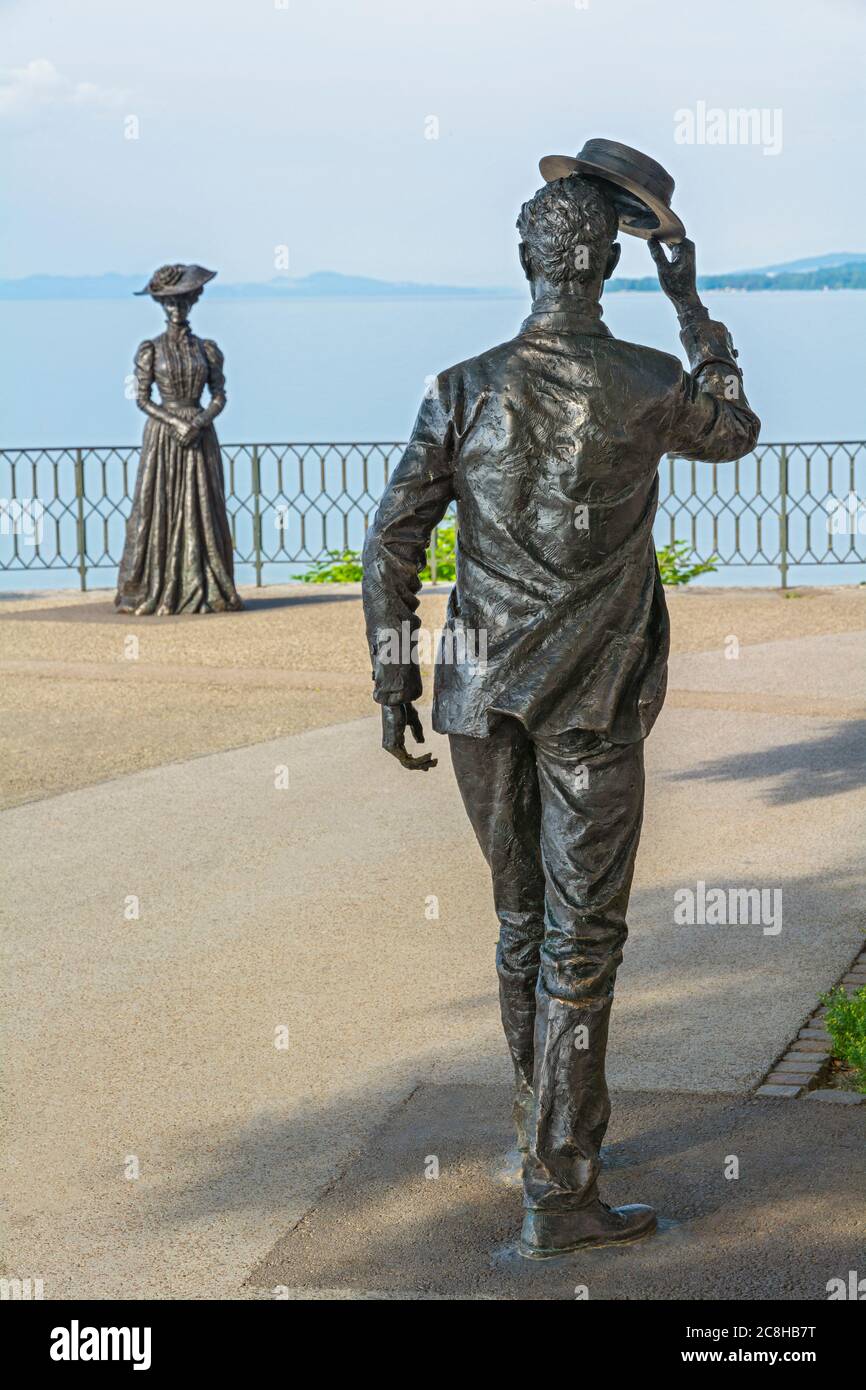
(221, 969)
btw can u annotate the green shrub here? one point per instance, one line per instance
(845, 1021)
(674, 567)
(344, 567)
(337, 567)
(446, 553)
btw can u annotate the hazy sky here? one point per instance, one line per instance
(264, 123)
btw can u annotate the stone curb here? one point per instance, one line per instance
(802, 1070)
(837, 1097)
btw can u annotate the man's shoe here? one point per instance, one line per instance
(547, 1234)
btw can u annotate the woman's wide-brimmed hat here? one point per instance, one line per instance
(170, 280)
(641, 190)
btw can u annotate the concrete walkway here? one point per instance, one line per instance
(734, 1221)
(285, 982)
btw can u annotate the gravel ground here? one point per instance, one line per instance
(791, 1222)
(76, 710)
(300, 903)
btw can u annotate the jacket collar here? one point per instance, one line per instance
(567, 316)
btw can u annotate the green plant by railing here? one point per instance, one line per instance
(337, 567)
(446, 554)
(674, 567)
(845, 1021)
(344, 567)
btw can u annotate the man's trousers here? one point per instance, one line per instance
(558, 820)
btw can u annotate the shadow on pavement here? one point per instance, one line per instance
(105, 612)
(785, 1225)
(800, 771)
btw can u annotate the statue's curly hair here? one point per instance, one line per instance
(568, 228)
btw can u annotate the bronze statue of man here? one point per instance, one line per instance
(550, 446)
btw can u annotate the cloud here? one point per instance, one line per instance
(40, 87)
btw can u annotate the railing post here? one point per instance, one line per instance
(783, 516)
(80, 529)
(257, 516)
(434, 546)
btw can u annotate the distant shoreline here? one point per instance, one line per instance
(478, 297)
(801, 276)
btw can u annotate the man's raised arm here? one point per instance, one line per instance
(711, 419)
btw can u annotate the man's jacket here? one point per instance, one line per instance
(550, 446)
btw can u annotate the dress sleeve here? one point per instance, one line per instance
(144, 374)
(216, 382)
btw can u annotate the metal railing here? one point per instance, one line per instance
(290, 505)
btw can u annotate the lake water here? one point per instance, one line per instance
(355, 369)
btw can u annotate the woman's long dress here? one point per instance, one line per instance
(178, 552)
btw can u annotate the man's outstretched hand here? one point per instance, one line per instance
(677, 276)
(395, 720)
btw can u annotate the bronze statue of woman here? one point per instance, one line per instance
(178, 552)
